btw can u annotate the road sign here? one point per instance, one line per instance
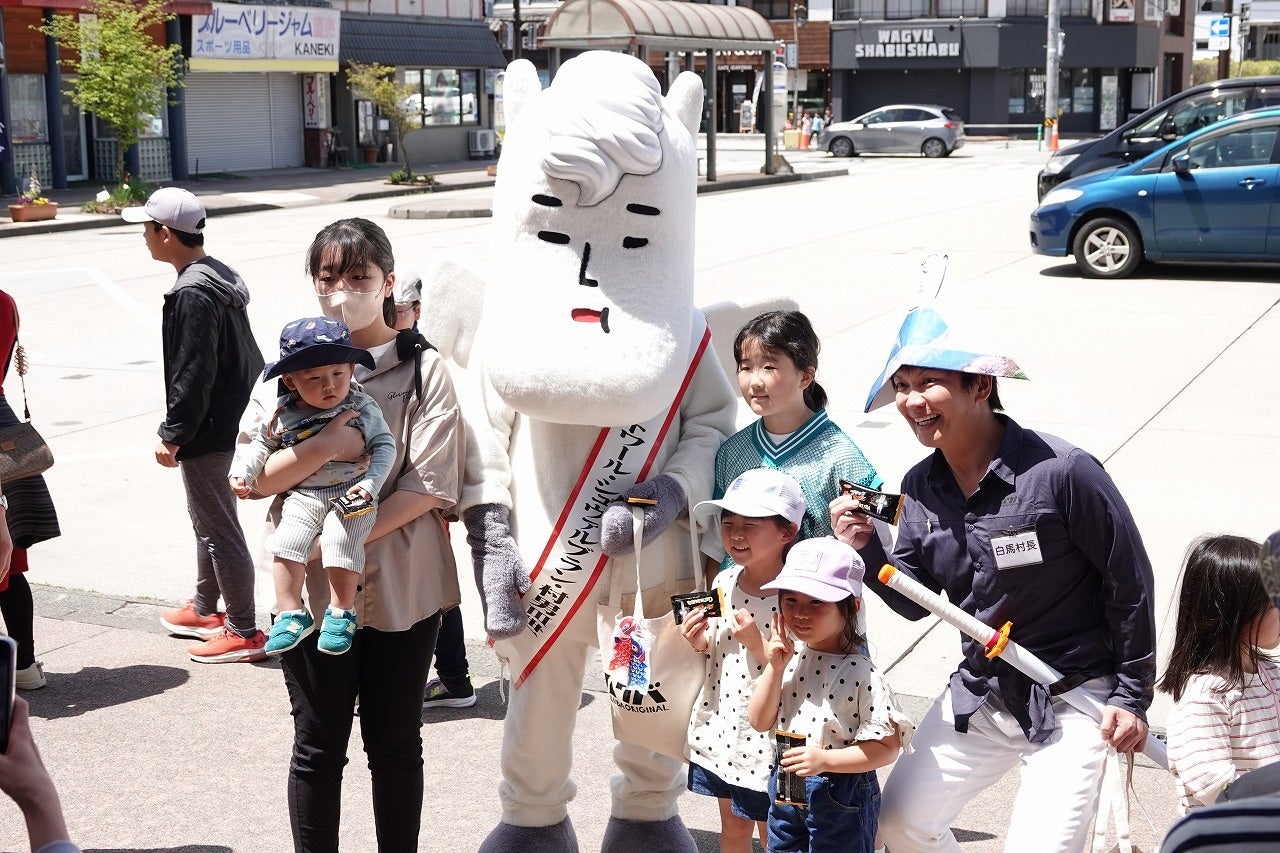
(1220, 33)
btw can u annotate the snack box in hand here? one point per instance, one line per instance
(885, 506)
(791, 787)
(352, 507)
(708, 600)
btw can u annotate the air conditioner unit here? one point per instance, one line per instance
(482, 143)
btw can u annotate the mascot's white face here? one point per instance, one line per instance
(588, 319)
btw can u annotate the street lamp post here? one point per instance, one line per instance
(1052, 64)
(799, 14)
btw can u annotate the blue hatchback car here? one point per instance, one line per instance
(1210, 196)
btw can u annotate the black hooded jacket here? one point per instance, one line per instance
(211, 360)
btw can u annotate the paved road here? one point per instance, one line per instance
(157, 753)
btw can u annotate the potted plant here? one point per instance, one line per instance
(368, 149)
(32, 206)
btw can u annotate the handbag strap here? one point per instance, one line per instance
(637, 531)
(20, 364)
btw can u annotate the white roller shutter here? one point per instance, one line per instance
(246, 120)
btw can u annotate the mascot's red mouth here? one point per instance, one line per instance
(587, 315)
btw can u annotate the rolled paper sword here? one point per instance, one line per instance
(999, 645)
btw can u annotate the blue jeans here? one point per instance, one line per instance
(843, 811)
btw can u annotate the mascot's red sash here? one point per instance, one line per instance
(571, 562)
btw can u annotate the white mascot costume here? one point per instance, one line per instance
(597, 383)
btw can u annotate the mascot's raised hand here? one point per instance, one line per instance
(616, 528)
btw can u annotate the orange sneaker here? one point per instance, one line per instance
(229, 647)
(186, 622)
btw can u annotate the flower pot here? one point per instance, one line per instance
(33, 212)
(369, 155)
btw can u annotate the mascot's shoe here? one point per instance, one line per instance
(661, 836)
(557, 838)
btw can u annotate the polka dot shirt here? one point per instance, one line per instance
(720, 737)
(838, 700)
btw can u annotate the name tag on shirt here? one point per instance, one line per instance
(1017, 549)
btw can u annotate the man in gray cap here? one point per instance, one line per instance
(211, 363)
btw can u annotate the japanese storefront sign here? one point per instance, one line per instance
(906, 43)
(315, 100)
(286, 37)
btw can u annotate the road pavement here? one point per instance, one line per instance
(153, 752)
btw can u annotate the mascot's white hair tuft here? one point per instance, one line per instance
(604, 116)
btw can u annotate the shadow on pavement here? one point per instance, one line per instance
(93, 688)
(709, 842)
(186, 848)
(489, 706)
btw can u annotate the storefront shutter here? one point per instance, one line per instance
(242, 121)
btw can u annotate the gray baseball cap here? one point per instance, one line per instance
(171, 206)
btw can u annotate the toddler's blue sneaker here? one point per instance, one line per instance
(338, 629)
(290, 629)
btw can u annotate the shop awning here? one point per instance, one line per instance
(423, 43)
(657, 24)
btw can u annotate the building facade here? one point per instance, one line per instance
(986, 59)
(264, 88)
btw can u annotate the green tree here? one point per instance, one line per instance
(377, 83)
(123, 75)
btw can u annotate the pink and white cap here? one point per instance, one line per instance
(823, 568)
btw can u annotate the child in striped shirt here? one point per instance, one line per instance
(1226, 690)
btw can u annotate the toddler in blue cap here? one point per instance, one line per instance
(337, 503)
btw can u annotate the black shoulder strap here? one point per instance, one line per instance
(411, 344)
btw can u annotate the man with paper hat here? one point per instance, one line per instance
(1013, 525)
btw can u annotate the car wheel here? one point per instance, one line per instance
(934, 147)
(1107, 248)
(841, 146)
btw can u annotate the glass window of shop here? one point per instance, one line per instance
(1076, 91)
(444, 96)
(1040, 8)
(898, 9)
(772, 10)
(28, 118)
(153, 126)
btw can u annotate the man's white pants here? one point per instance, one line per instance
(538, 742)
(1056, 800)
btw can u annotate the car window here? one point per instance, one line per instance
(916, 115)
(1266, 96)
(1247, 147)
(877, 117)
(1207, 108)
(951, 114)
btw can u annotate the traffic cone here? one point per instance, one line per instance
(1053, 137)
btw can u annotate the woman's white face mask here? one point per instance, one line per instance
(357, 310)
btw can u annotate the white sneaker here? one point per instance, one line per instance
(31, 678)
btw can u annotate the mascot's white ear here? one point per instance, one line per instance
(452, 302)
(519, 85)
(684, 98)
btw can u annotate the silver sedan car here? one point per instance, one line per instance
(897, 129)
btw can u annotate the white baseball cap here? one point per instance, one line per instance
(408, 286)
(760, 493)
(171, 206)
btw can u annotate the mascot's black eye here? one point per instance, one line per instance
(634, 242)
(546, 200)
(553, 237)
(643, 209)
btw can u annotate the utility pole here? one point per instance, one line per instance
(799, 14)
(1224, 56)
(1052, 60)
(519, 29)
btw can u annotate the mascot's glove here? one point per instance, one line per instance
(500, 573)
(615, 526)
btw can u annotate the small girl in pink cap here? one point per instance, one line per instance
(827, 699)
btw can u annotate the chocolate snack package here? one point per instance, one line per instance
(791, 787)
(708, 600)
(885, 506)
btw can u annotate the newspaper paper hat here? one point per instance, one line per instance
(934, 335)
